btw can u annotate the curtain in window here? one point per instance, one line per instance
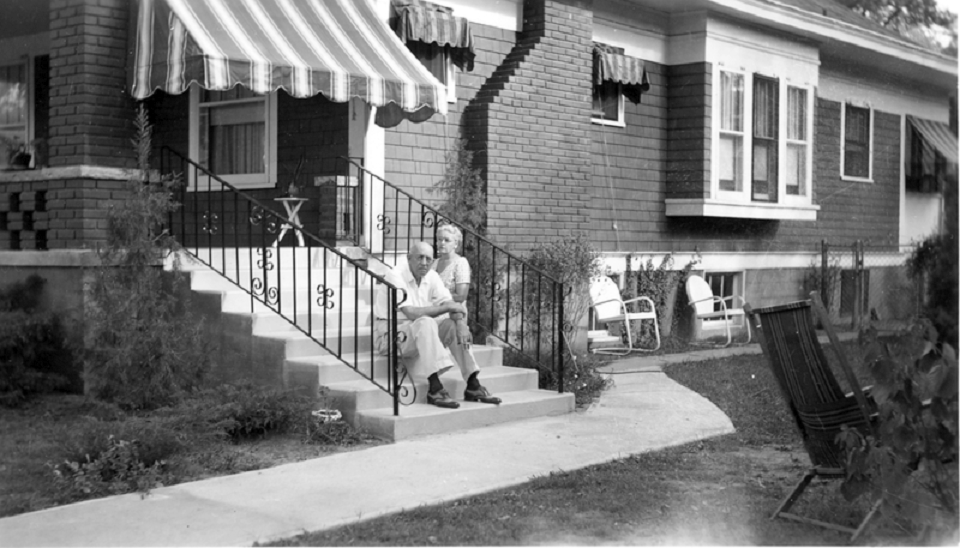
(796, 161)
(856, 159)
(731, 120)
(233, 137)
(765, 128)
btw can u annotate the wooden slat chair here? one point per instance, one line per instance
(700, 296)
(788, 337)
(608, 306)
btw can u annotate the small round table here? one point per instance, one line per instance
(292, 205)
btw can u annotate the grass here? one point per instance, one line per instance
(718, 491)
(36, 436)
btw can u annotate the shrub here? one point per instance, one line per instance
(35, 356)
(658, 282)
(240, 411)
(465, 201)
(156, 439)
(147, 351)
(579, 374)
(935, 260)
(119, 469)
(910, 459)
(338, 433)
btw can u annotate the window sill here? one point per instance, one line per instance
(740, 210)
(611, 123)
(856, 179)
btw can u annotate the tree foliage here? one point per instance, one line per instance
(462, 187)
(920, 20)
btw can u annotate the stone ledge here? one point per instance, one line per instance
(53, 258)
(69, 172)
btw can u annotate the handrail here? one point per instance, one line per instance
(514, 291)
(227, 218)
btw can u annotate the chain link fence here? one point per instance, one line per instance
(863, 284)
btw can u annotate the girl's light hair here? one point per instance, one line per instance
(453, 231)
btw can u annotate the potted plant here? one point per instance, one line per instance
(16, 153)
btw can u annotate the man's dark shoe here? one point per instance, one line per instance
(481, 395)
(442, 399)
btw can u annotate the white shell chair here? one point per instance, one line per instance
(701, 297)
(608, 306)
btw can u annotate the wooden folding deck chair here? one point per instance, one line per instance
(788, 337)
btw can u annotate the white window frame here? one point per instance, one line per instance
(843, 142)
(267, 179)
(26, 60)
(621, 120)
(744, 194)
(739, 286)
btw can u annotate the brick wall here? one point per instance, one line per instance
(628, 181)
(58, 214)
(530, 127)
(90, 109)
(415, 155)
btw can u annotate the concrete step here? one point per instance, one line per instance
(326, 369)
(298, 344)
(352, 397)
(265, 322)
(421, 419)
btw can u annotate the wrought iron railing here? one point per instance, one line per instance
(509, 298)
(239, 237)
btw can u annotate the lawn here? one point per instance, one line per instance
(718, 491)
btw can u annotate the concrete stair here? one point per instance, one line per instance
(343, 365)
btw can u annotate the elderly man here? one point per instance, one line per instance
(429, 319)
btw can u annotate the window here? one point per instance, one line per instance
(731, 131)
(233, 134)
(437, 61)
(608, 103)
(795, 172)
(14, 113)
(926, 167)
(724, 285)
(857, 130)
(766, 103)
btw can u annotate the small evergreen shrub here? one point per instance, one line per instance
(148, 350)
(35, 356)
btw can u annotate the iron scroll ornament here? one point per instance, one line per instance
(256, 217)
(210, 223)
(383, 223)
(269, 295)
(265, 262)
(325, 294)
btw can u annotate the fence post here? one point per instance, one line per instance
(825, 281)
(855, 305)
(863, 285)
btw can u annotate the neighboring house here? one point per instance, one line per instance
(747, 130)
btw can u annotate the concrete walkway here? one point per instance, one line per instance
(644, 411)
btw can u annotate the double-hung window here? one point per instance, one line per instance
(766, 124)
(14, 115)
(731, 131)
(763, 150)
(608, 103)
(857, 142)
(798, 145)
(233, 135)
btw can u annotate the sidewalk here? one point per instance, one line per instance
(644, 411)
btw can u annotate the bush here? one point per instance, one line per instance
(338, 433)
(911, 457)
(935, 260)
(579, 374)
(34, 354)
(147, 350)
(156, 439)
(658, 282)
(240, 411)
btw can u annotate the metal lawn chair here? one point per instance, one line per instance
(608, 307)
(701, 297)
(789, 341)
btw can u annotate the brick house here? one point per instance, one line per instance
(745, 130)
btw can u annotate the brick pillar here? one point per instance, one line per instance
(90, 108)
(530, 127)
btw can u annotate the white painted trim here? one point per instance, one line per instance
(720, 261)
(502, 14)
(884, 95)
(694, 207)
(772, 11)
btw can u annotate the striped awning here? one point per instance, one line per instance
(610, 63)
(417, 20)
(339, 48)
(937, 135)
